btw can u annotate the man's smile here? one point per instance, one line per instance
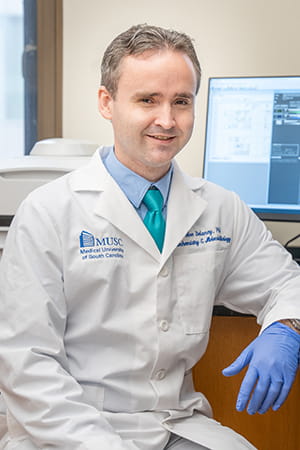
(160, 137)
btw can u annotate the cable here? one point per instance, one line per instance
(291, 240)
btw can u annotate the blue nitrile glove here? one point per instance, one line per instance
(273, 359)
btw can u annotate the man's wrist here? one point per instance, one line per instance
(292, 323)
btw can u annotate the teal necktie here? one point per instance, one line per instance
(154, 220)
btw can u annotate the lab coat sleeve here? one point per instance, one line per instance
(44, 401)
(261, 278)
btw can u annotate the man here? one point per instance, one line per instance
(110, 275)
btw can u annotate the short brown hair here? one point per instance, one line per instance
(138, 39)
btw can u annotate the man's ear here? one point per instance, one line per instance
(105, 101)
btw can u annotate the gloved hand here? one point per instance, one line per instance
(273, 359)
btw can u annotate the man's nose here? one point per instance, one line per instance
(165, 117)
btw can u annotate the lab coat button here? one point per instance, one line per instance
(164, 325)
(164, 271)
(160, 375)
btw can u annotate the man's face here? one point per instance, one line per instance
(152, 113)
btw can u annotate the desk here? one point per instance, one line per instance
(272, 431)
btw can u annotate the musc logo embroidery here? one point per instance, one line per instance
(86, 239)
(92, 247)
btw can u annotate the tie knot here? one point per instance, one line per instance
(153, 200)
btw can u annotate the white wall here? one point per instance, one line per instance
(232, 37)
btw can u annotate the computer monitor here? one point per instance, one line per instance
(253, 142)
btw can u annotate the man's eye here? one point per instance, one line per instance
(146, 100)
(182, 101)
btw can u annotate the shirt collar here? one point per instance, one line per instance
(133, 185)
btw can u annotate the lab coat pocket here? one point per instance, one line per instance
(196, 280)
(93, 395)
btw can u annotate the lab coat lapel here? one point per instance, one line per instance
(116, 208)
(185, 206)
(112, 204)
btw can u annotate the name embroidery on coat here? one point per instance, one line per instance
(204, 237)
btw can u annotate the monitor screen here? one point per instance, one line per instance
(253, 142)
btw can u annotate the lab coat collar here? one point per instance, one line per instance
(185, 205)
(91, 177)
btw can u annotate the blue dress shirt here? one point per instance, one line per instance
(134, 186)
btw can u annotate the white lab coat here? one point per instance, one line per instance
(99, 331)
